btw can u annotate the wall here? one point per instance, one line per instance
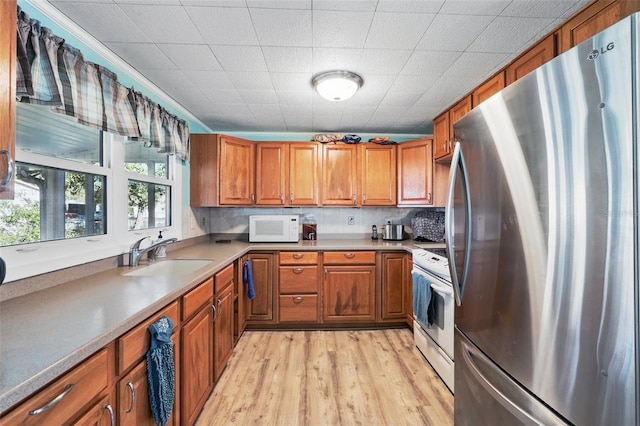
(331, 221)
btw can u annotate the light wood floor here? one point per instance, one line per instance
(370, 377)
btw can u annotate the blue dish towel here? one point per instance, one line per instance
(161, 370)
(247, 277)
(423, 306)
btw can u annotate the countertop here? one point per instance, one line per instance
(46, 333)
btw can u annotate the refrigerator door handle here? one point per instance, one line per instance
(505, 391)
(457, 161)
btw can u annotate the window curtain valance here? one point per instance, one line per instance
(53, 73)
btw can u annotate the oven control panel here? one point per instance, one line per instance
(431, 262)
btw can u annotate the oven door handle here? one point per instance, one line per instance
(441, 289)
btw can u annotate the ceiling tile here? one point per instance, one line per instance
(507, 34)
(429, 63)
(294, 97)
(291, 81)
(280, 4)
(466, 29)
(213, 80)
(214, 3)
(410, 6)
(107, 22)
(224, 25)
(412, 83)
(191, 56)
(340, 29)
(382, 61)
(240, 58)
(288, 59)
(476, 64)
(259, 96)
(361, 5)
(282, 27)
(397, 30)
(142, 55)
(251, 80)
(163, 24)
(400, 99)
(538, 8)
(474, 7)
(327, 59)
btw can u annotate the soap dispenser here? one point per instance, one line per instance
(374, 232)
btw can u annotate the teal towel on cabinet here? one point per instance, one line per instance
(247, 276)
(161, 370)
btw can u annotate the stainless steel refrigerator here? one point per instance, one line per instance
(542, 236)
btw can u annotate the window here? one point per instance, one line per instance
(81, 194)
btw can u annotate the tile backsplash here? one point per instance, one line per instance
(235, 220)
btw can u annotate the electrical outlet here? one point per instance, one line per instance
(387, 221)
(203, 221)
(351, 220)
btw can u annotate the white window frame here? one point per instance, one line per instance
(27, 260)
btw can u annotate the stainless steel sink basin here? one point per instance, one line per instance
(170, 267)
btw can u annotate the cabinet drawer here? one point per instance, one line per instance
(73, 392)
(197, 298)
(223, 278)
(349, 257)
(133, 346)
(299, 307)
(298, 258)
(298, 279)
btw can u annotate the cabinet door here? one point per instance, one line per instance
(408, 288)
(237, 171)
(133, 398)
(599, 15)
(377, 175)
(223, 330)
(203, 171)
(239, 302)
(7, 94)
(392, 296)
(441, 136)
(272, 159)
(339, 177)
(488, 89)
(261, 308)
(305, 173)
(101, 414)
(538, 55)
(349, 293)
(458, 111)
(196, 364)
(415, 173)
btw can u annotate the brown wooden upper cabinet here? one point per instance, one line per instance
(377, 174)
(443, 137)
(415, 173)
(594, 18)
(340, 175)
(488, 89)
(222, 171)
(359, 175)
(7, 96)
(539, 54)
(288, 173)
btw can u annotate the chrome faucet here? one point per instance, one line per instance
(135, 252)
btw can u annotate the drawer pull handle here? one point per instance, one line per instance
(112, 416)
(53, 402)
(298, 299)
(298, 271)
(298, 255)
(132, 389)
(219, 307)
(349, 255)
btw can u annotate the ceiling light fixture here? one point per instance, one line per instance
(337, 86)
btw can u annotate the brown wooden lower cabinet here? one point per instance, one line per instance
(392, 294)
(408, 288)
(223, 330)
(349, 293)
(261, 308)
(101, 414)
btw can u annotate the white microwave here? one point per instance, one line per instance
(274, 228)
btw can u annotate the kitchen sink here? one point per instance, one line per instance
(170, 267)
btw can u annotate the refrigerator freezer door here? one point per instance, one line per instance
(491, 395)
(551, 289)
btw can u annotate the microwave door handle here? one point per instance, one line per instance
(457, 162)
